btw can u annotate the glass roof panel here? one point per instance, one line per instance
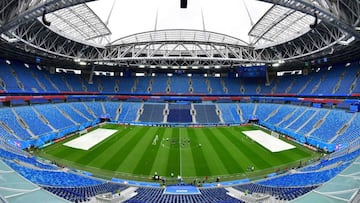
(230, 17)
(180, 35)
(78, 23)
(278, 25)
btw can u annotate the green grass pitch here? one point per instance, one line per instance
(190, 152)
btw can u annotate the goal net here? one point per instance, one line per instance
(275, 134)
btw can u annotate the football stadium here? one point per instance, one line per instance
(160, 101)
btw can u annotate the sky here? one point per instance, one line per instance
(224, 16)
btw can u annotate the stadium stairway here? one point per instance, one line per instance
(193, 113)
(79, 112)
(43, 119)
(318, 123)
(139, 112)
(273, 113)
(7, 133)
(299, 86)
(48, 79)
(103, 107)
(18, 81)
(111, 108)
(343, 129)
(348, 82)
(166, 113)
(287, 117)
(306, 121)
(240, 113)
(354, 86)
(318, 84)
(89, 110)
(118, 111)
(255, 109)
(294, 118)
(68, 85)
(41, 85)
(23, 123)
(218, 112)
(66, 115)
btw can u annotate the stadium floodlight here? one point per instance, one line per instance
(206, 67)
(275, 65)
(183, 67)
(77, 60)
(82, 63)
(152, 66)
(347, 42)
(278, 63)
(195, 67)
(217, 67)
(175, 67)
(163, 67)
(141, 66)
(8, 39)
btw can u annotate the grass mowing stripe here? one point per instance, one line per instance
(226, 157)
(134, 157)
(162, 156)
(173, 164)
(271, 158)
(83, 157)
(199, 160)
(147, 159)
(234, 147)
(187, 162)
(255, 152)
(212, 157)
(96, 156)
(118, 157)
(180, 157)
(129, 149)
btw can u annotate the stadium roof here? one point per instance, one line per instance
(278, 25)
(88, 39)
(180, 35)
(78, 23)
(231, 17)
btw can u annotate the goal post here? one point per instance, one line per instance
(275, 134)
(83, 132)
